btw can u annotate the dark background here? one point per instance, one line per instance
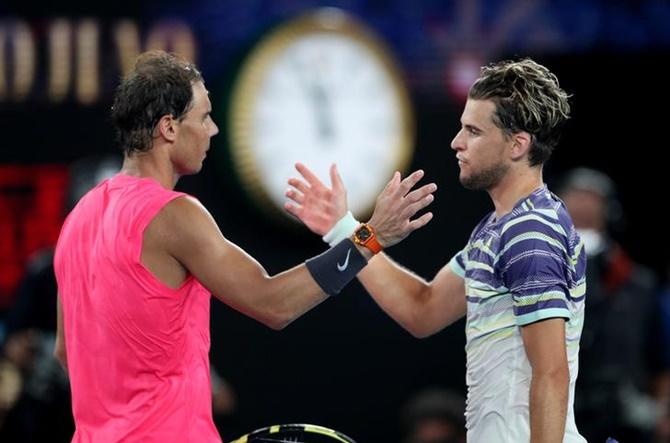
(346, 365)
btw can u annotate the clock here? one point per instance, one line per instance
(320, 89)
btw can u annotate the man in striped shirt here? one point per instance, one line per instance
(520, 278)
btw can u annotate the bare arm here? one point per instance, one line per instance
(194, 240)
(59, 349)
(544, 342)
(421, 307)
(230, 274)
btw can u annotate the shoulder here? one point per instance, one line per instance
(542, 216)
(182, 226)
(184, 204)
(535, 225)
(183, 212)
(537, 235)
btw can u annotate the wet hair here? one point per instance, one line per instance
(527, 98)
(160, 84)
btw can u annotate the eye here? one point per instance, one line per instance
(473, 131)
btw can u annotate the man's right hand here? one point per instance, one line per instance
(320, 207)
(397, 204)
(314, 204)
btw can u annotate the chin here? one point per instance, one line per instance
(191, 171)
(464, 180)
(472, 183)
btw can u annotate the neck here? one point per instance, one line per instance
(151, 164)
(517, 184)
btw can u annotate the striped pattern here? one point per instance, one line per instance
(527, 266)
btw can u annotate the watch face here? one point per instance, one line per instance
(321, 90)
(363, 233)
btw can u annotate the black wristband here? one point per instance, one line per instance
(336, 267)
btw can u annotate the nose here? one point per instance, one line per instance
(213, 130)
(457, 142)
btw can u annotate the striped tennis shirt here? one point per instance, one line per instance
(527, 266)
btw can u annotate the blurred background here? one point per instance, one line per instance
(346, 365)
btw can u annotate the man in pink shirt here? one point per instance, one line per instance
(136, 263)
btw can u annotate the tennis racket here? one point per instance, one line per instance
(294, 433)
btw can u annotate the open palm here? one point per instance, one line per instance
(313, 203)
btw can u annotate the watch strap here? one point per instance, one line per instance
(371, 242)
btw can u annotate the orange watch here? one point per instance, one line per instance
(365, 236)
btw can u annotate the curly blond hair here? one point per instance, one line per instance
(527, 98)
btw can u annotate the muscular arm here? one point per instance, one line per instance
(233, 276)
(191, 237)
(422, 308)
(544, 342)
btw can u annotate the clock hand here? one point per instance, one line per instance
(318, 97)
(324, 109)
(323, 112)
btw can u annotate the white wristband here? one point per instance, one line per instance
(344, 228)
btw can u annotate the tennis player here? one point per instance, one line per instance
(520, 277)
(136, 263)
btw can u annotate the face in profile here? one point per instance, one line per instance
(480, 147)
(195, 130)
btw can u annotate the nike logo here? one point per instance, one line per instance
(345, 265)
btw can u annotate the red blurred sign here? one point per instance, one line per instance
(32, 206)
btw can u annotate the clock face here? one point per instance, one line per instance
(320, 90)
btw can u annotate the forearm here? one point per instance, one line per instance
(333, 270)
(396, 290)
(286, 296)
(292, 293)
(548, 406)
(422, 308)
(275, 300)
(241, 282)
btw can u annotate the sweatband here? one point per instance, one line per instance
(336, 267)
(344, 228)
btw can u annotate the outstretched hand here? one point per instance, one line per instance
(313, 203)
(397, 204)
(320, 207)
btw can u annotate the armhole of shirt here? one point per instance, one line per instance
(148, 214)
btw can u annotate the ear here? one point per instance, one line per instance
(167, 128)
(521, 142)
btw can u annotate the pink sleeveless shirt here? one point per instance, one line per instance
(137, 350)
